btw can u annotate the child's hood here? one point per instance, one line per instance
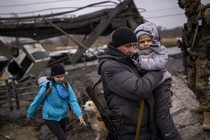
(42, 80)
(149, 28)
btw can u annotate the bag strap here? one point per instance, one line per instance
(140, 116)
(196, 30)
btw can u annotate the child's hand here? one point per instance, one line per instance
(28, 120)
(82, 122)
(163, 70)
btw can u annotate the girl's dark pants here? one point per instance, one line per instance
(58, 128)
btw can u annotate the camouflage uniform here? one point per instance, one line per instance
(197, 39)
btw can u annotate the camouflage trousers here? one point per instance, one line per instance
(198, 71)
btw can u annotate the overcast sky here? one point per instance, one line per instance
(164, 13)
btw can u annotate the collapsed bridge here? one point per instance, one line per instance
(92, 25)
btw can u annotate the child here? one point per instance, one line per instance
(153, 56)
(56, 102)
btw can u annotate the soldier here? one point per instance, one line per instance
(197, 39)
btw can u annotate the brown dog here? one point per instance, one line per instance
(98, 126)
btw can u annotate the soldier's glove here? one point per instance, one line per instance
(193, 25)
(205, 51)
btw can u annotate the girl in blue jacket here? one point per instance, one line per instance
(56, 99)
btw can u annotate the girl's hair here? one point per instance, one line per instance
(48, 91)
(49, 88)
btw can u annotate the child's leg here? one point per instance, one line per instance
(63, 123)
(56, 129)
(163, 117)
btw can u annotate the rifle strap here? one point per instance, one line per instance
(196, 30)
(140, 116)
(97, 83)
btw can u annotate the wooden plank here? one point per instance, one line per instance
(8, 95)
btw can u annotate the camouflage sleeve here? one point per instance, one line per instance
(207, 16)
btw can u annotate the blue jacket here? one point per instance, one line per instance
(54, 107)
